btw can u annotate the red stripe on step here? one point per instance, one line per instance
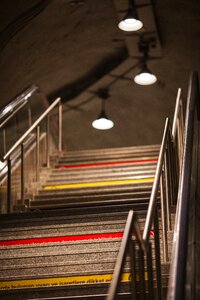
(60, 239)
(128, 162)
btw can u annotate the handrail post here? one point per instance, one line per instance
(150, 272)
(157, 256)
(163, 218)
(37, 153)
(176, 113)
(133, 269)
(168, 185)
(4, 141)
(141, 273)
(47, 142)
(180, 134)
(9, 185)
(60, 126)
(174, 170)
(29, 117)
(22, 173)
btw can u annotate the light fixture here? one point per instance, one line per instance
(102, 122)
(145, 76)
(130, 21)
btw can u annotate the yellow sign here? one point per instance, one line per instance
(62, 281)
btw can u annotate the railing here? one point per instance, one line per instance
(166, 182)
(19, 114)
(38, 135)
(184, 266)
(11, 110)
(177, 127)
(140, 256)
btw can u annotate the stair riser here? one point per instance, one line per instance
(103, 169)
(98, 177)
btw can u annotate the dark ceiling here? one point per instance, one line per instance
(73, 48)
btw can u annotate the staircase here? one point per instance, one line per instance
(98, 224)
(97, 177)
(65, 246)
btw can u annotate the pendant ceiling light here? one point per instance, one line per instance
(145, 76)
(130, 21)
(103, 122)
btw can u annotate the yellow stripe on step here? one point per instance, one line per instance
(62, 281)
(98, 183)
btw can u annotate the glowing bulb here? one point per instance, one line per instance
(102, 124)
(130, 24)
(145, 78)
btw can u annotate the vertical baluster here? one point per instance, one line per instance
(37, 153)
(133, 270)
(47, 142)
(4, 141)
(180, 126)
(29, 117)
(168, 186)
(60, 127)
(163, 218)
(177, 170)
(9, 186)
(141, 274)
(22, 173)
(157, 257)
(150, 272)
(174, 170)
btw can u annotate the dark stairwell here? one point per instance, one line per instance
(64, 212)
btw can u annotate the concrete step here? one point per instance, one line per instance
(80, 178)
(121, 151)
(59, 203)
(64, 230)
(104, 168)
(125, 188)
(100, 196)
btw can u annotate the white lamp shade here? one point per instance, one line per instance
(102, 124)
(130, 24)
(145, 78)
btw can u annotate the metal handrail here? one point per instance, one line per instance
(13, 113)
(176, 113)
(12, 108)
(37, 122)
(153, 197)
(176, 288)
(121, 256)
(15, 105)
(20, 143)
(132, 225)
(177, 126)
